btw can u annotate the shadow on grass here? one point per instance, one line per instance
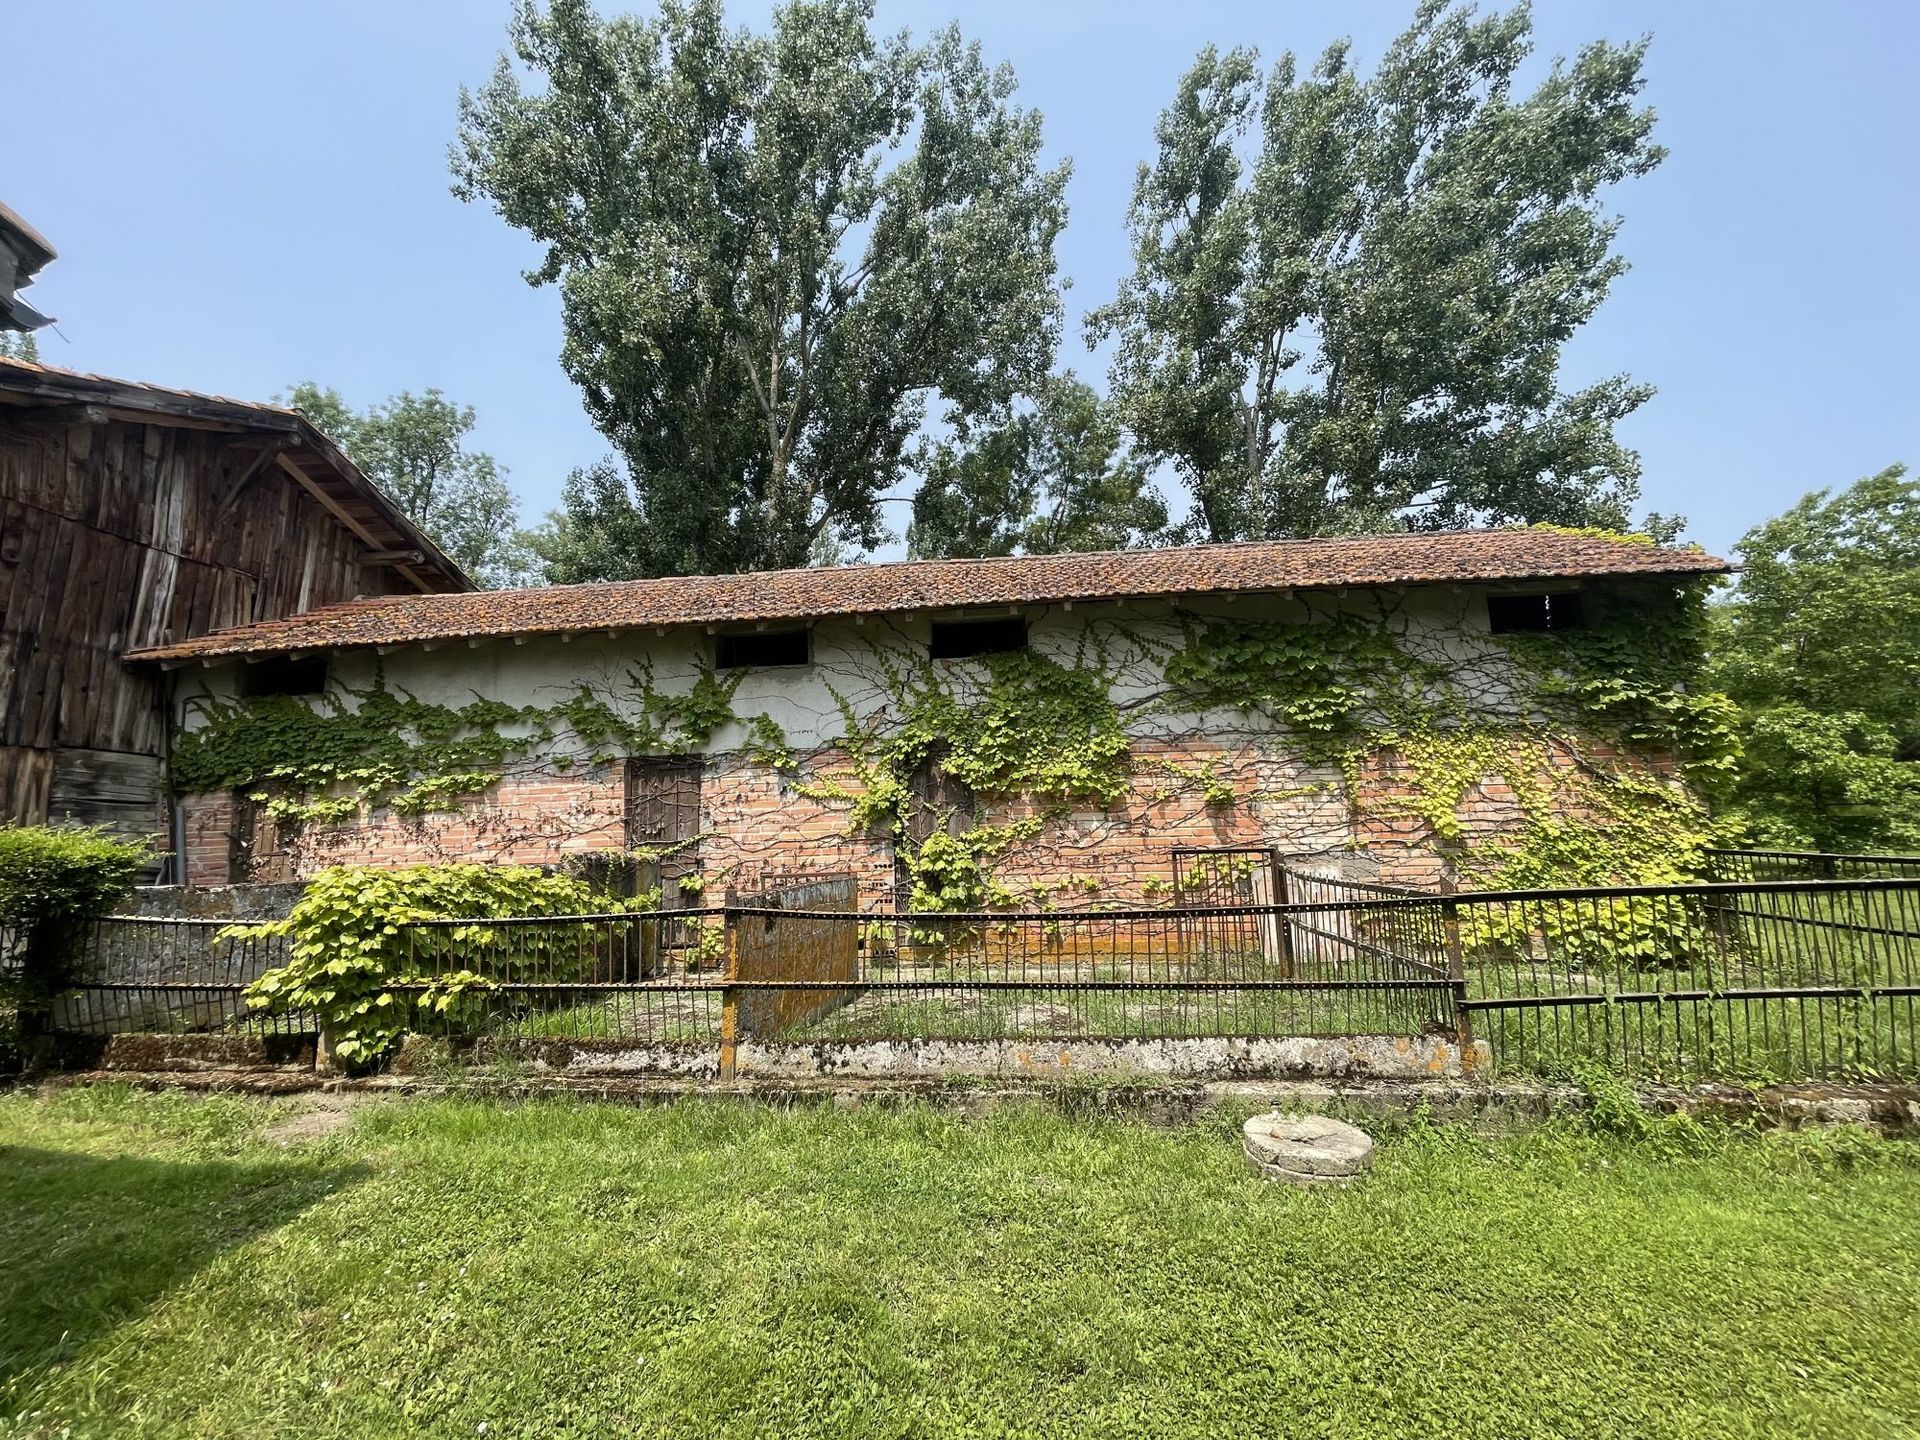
(90, 1242)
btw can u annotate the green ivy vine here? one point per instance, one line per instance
(323, 760)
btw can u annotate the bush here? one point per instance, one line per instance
(355, 967)
(53, 880)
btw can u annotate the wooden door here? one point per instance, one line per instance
(663, 816)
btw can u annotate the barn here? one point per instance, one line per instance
(133, 516)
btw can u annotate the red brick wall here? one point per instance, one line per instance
(755, 824)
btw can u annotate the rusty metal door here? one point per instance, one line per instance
(663, 817)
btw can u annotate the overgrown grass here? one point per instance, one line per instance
(458, 1269)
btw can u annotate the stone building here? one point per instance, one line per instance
(1035, 730)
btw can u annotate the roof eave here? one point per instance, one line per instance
(196, 651)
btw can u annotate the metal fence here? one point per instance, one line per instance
(1785, 979)
(1735, 866)
(780, 973)
(1755, 979)
(146, 975)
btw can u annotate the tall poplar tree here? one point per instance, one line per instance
(777, 255)
(1351, 292)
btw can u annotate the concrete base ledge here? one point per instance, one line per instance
(1374, 1057)
(1893, 1109)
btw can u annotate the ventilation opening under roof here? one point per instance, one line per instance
(1517, 614)
(959, 639)
(761, 648)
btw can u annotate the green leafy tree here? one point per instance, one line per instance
(1359, 323)
(414, 448)
(1055, 477)
(1820, 645)
(777, 255)
(19, 345)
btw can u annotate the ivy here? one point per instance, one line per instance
(1346, 690)
(322, 761)
(1325, 681)
(1020, 723)
(368, 980)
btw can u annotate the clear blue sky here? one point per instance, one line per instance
(248, 194)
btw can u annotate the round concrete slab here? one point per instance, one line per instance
(1306, 1148)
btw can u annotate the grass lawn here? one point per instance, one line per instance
(463, 1269)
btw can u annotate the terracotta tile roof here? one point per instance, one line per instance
(1464, 556)
(310, 458)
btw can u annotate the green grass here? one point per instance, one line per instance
(568, 1269)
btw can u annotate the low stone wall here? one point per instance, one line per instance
(214, 902)
(1358, 1057)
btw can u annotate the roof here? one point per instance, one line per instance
(26, 242)
(309, 458)
(26, 253)
(1479, 556)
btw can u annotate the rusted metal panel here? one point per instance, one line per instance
(787, 948)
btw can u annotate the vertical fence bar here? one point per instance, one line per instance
(730, 998)
(1456, 968)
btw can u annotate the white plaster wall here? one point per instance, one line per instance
(1132, 638)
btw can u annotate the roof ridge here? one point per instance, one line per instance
(1506, 555)
(1210, 546)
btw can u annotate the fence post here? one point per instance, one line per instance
(729, 997)
(1282, 895)
(1456, 969)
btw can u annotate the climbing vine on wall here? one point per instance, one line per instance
(323, 759)
(1021, 723)
(1350, 691)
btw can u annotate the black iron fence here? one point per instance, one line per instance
(1736, 866)
(147, 975)
(780, 973)
(1756, 978)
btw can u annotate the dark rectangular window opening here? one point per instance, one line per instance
(1516, 614)
(285, 677)
(958, 639)
(762, 647)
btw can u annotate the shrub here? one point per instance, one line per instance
(357, 969)
(53, 880)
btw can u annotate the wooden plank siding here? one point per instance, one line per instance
(117, 533)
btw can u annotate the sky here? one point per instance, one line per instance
(250, 193)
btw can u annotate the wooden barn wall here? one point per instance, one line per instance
(115, 535)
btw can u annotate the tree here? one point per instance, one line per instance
(1361, 325)
(19, 345)
(776, 255)
(1054, 477)
(413, 447)
(1820, 645)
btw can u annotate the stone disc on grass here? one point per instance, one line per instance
(1306, 1149)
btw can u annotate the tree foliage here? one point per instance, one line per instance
(53, 880)
(1056, 476)
(1820, 645)
(777, 254)
(1360, 323)
(414, 448)
(19, 345)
